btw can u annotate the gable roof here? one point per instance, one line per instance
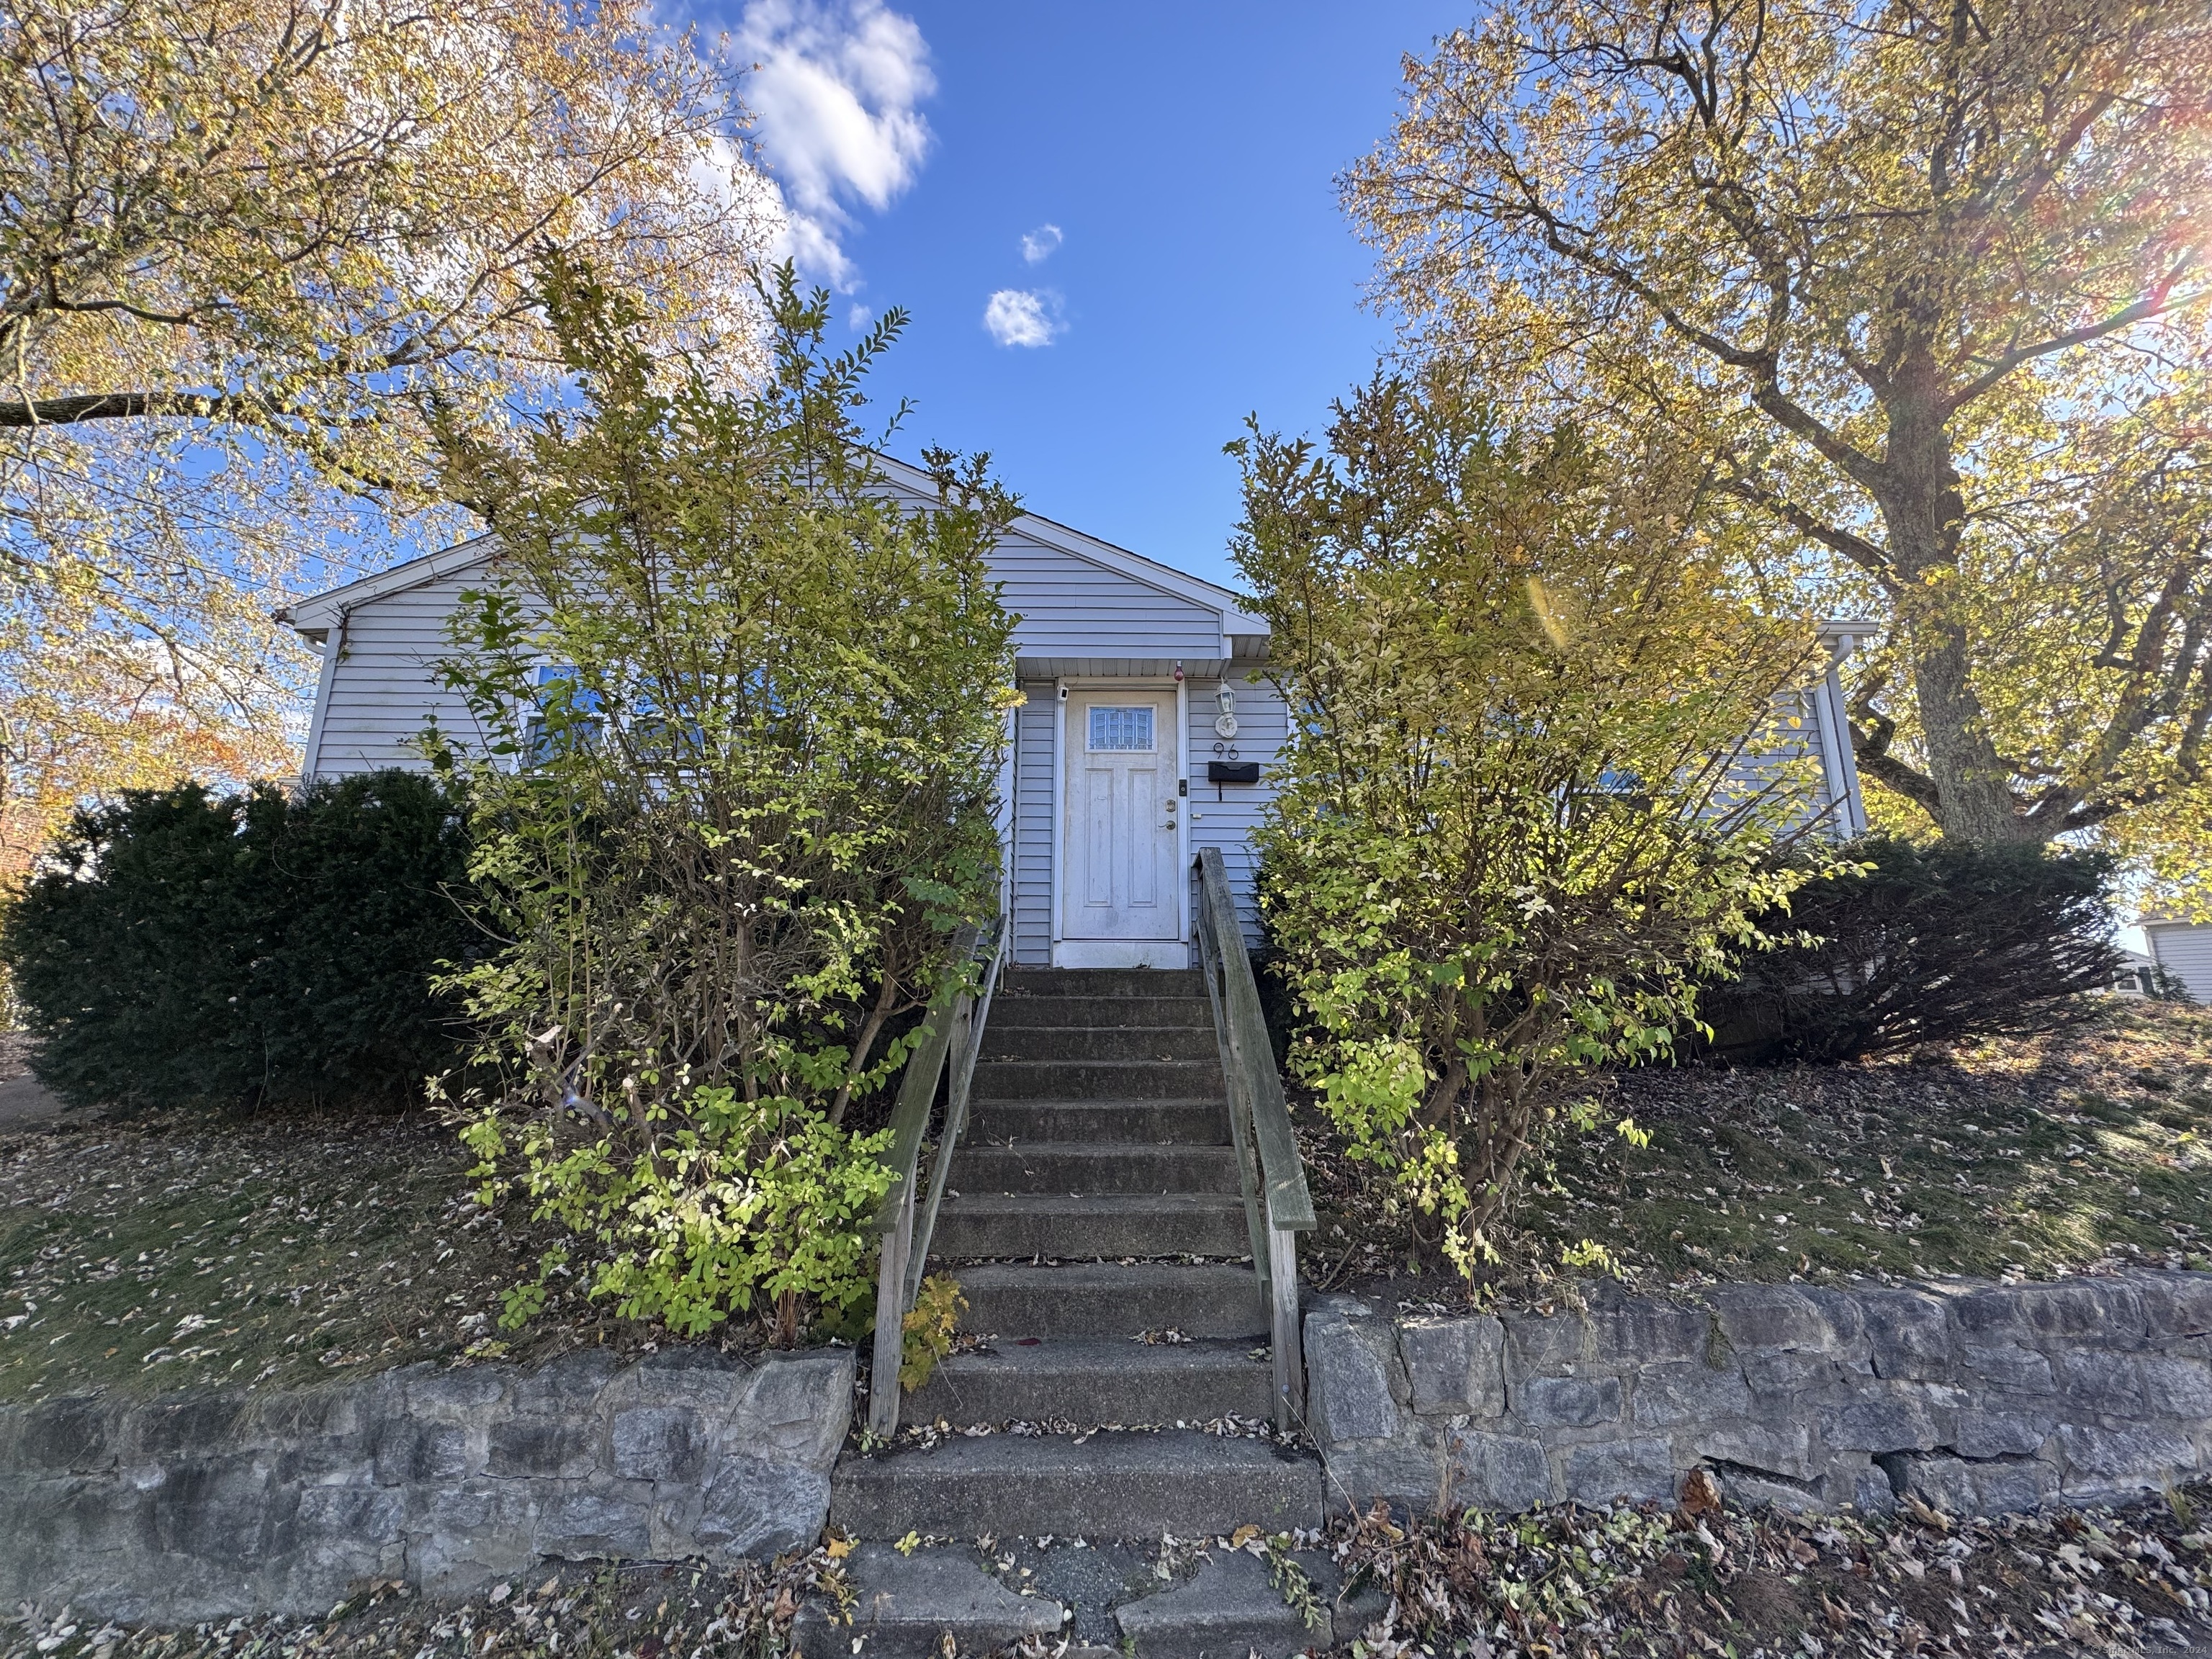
(316, 615)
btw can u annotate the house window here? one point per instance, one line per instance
(1121, 728)
(557, 685)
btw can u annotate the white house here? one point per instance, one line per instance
(2184, 949)
(1140, 740)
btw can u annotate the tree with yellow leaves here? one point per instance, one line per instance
(255, 256)
(1925, 287)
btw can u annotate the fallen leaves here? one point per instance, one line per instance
(187, 1249)
(2014, 1158)
(652, 1610)
(1701, 1495)
(1708, 1579)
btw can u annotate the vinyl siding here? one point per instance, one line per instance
(1069, 607)
(382, 689)
(1225, 822)
(1805, 751)
(384, 686)
(2183, 950)
(1224, 814)
(1033, 837)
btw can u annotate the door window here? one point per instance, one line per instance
(1126, 729)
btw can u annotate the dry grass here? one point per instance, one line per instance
(145, 1256)
(2083, 1152)
(150, 1255)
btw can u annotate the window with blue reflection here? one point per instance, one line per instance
(559, 693)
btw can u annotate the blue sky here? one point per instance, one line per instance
(1172, 167)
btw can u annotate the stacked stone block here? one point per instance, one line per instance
(1976, 1399)
(203, 1504)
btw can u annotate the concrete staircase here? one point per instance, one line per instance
(1098, 1205)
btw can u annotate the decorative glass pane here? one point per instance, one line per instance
(1121, 728)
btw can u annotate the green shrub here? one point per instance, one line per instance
(1510, 836)
(743, 717)
(1925, 944)
(259, 948)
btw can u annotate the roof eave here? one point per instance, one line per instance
(314, 616)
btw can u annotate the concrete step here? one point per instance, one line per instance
(1089, 984)
(908, 1605)
(1233, 1609)
(1066, 1043)
(1203, 1122)
(1088, 1299)
(1046, 1166)
(1101, 1597)
(1093, 1380)
(1098, 1079)
(1109, 1485)
(989, 1225)
(1190, 1013)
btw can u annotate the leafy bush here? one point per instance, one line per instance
(257, 949)
(744, 717)
(1511, 833)
(926, 1333)
(1924, 944)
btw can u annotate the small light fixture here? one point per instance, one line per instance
(1225, 723)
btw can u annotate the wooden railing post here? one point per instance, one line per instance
(967, 1047)
(1277, 1206)
(890, 1322)
(952, 1031)
(1240, 1105)
(1289, 1345)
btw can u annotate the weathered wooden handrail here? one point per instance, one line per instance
(952, 1032)
(967, 1043)
(1277, 1204)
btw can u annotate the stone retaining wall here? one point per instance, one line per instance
(201, 1505)
(1978, 1399)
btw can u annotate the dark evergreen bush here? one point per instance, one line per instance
(1932, 944)
(261, 948)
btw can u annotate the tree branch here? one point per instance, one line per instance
(2153, 304)
(1873, 560)
(126, 405)
(1871, 747)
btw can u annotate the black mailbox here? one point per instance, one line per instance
(1232, 771)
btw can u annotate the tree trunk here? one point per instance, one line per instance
(1923, 512)
(1975, 799)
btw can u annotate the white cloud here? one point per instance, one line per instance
(836, 94)
(859, 318)
(1018, 317)
(1040, 244)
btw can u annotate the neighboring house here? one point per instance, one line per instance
(2184, 949)
(2135, 976)
(1139, 741)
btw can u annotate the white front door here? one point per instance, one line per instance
(1120, 885)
